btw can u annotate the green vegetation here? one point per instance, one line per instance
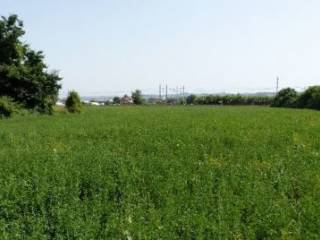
(161, 173)
(232, 100)
(137, 97)
(73, 102)
(8, 107)
(286, 97)
(116, 100)
(191, 99)
(310, 98)
(23, 74)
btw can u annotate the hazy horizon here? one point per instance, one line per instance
(113, 47)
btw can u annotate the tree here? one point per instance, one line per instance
(191, 99)
(137, 97)
(286, 97)
(310, 98)
(116, 100)
(8, 107)
(73, 102)
(23, 74)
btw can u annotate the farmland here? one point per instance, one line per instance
(161, 173)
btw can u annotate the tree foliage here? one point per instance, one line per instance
(233, 100)
(116, 100)
(137, 97)
(191, 99)
(310, 98)
(286, 97)
(8, 107)
(23, 74)
(73, 102)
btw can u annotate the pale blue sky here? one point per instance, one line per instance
(111, 47)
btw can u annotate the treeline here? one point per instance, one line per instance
(229, 100)
(287, 97)
(290, 98)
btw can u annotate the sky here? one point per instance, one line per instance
(111, 47)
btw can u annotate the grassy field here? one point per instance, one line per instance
(161, 173)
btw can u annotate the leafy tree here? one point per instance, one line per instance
(310, 98)
(191, 99)
(8, 107)
(137, 97)
(108, 102)
(116, 100)
(286, 97)
(23, 74)
(73, 102)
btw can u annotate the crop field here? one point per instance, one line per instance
(161, 173)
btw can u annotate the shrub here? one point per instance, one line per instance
(310, 98)
(8, 107)
(73, 102)
(286, 97)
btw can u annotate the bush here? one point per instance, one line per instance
(310, 98)
(286, 97)
(73, 102)
(8, 107)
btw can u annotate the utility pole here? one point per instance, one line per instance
(277, 87)
(166, 92)
(160, 92)
(183, 94)
(177, 92)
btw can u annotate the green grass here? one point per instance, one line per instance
(161, 173)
